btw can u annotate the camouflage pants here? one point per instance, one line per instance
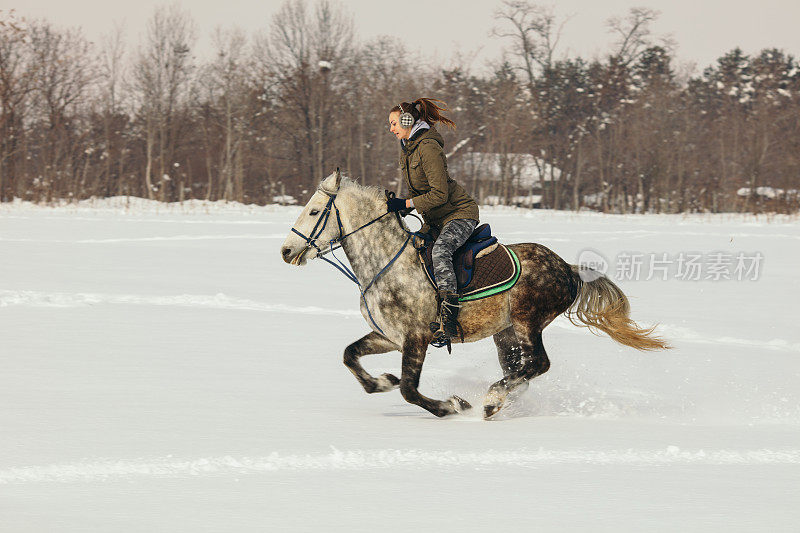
(454, 234)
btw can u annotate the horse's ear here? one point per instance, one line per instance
(337, 179)
(332, 182)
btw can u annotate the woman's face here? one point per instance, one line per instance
(394, 126)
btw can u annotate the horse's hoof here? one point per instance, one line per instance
(490, 410)
(493, 402)
(459, 404)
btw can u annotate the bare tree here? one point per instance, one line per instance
(225, 82)
(304, 53)
(65, 69)
(17, 75)
(112, 114)
(161, 82)
(382, 77)
(534, 32)
(634, 34)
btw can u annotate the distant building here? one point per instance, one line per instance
(514, 179)
(284, 199)
(768, 193)
(768, 199)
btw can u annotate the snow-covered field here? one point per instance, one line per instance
(164, 370)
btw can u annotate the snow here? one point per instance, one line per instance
(164, 370)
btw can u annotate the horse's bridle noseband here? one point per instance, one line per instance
(333, 244)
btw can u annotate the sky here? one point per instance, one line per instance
(702, 29)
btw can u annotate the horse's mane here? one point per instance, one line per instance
(362, 191)
(363, 194)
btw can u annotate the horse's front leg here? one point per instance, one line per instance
(372, 343)
(413, 357)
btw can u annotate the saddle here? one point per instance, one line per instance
(483, 266)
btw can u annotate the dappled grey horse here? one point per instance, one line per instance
(399, 303)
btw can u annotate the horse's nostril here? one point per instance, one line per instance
(285, 251)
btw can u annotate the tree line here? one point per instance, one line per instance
(266, 116)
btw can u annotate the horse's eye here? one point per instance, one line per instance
(314, 212)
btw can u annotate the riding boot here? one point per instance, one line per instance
(448, 314)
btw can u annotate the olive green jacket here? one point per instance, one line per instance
(437, 197)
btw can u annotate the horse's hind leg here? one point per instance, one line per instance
(522, 358)
(372, 343)
(510, 354)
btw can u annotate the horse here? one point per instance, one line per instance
(399, 303)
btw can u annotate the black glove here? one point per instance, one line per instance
(395, 204)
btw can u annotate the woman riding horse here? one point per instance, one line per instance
(445, 206)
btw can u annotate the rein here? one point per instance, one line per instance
(333, 244)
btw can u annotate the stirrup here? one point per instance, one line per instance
(440, 338)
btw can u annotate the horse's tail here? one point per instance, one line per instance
(600, 304)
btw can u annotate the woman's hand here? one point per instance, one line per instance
(396, 204)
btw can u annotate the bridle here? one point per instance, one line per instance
(319, 227)
(336, 243)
